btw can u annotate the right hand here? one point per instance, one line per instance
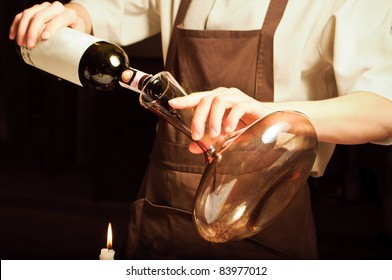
(223, 110)
(40, 21)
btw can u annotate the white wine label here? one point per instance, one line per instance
(60, 54)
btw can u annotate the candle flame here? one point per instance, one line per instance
(109, 237)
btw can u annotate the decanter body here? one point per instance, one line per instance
(251, 175)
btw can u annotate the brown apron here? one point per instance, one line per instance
(161, 225)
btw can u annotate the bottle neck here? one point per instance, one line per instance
(155, 93)
(133, 79)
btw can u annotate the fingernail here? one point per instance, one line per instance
(196, 136)
(214, 133)
(30, 43)
(228, 129)
(46, 35)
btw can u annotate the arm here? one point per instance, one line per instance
(356, 118)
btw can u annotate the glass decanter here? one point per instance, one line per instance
(251, 175)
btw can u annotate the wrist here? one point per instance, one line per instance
(83, 22)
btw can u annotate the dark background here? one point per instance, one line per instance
(71, 161)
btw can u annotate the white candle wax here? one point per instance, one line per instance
(107, 254)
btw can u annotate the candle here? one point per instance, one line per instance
(108, 253)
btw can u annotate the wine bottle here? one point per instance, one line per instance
(84, 60)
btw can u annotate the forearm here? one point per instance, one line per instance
(352, 119)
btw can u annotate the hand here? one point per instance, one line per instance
(226, 108)
(40, 21)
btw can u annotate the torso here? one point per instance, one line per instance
(200, 61)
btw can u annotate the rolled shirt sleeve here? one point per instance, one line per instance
(362, 53)
(325, 49)
(123, 21)
(358, 42)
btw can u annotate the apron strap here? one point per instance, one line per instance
(265, 63)
(172, 50)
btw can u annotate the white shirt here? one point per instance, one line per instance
(317, 42)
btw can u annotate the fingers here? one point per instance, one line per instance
(191, 100)
(221, 108)
(36, 25)
(14, 26)
(39, 22)
(21, 22)
(233, 118)
(67, 17)
(228, 110)
(210, 110)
